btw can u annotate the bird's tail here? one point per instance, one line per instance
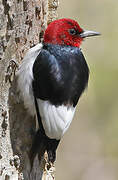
(41, 144)
(38, 147)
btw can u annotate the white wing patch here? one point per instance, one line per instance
(55, 120)
(25, 77)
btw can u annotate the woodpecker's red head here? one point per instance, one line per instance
(66, 32)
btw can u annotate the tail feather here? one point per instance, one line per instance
(38, 147)
(41, 144)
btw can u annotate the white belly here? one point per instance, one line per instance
(55, 120)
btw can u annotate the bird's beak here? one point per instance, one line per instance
(85, 34)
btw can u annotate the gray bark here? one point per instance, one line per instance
(22, 23)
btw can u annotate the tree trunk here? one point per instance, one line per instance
(22, 23)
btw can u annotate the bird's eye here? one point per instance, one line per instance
(72, 31)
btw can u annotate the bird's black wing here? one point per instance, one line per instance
(46, 75)
(60, 74)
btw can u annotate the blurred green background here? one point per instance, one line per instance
(89, 150)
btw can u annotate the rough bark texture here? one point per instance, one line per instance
(22, 23)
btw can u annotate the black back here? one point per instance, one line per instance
(60, 74)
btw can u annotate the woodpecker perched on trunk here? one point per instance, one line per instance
(51, 79)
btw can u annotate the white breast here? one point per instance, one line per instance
(25, 77)
(55, 120)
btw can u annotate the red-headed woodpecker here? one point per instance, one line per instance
(51, 79)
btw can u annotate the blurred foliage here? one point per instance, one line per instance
(89, 150)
